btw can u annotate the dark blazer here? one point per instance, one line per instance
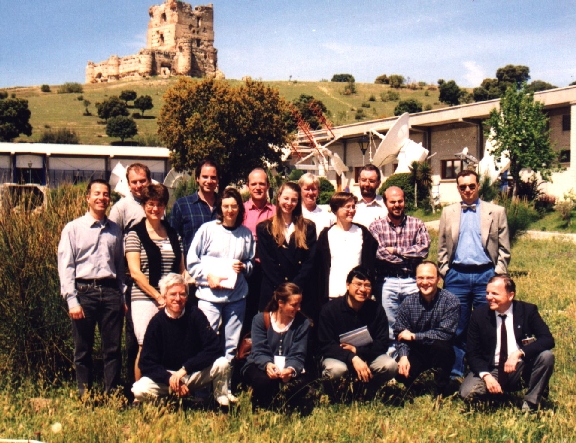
(323, 259)
(481, 344)
(286, 264)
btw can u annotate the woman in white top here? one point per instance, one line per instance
(342, 247)
(310, 186)
(219, 258)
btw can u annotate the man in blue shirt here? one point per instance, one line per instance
(473, 246)
(190, 212)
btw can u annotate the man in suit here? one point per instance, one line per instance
(473, 246)
(507, 341)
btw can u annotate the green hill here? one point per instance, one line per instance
(52, 111)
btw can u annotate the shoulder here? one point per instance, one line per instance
(480, 313)
(448, 296)
(414, 220)
(263, 226)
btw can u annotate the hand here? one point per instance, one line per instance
(406, 335)
(238, 266)
(286, 374)
(272, 371)
(512, 362)
(348, 347)
(175, 380)
(161, 302)
(390, 250)
(182, 391)
(76, 313)
(362, 369)
(214, 281)
(404, 366)
(492, 384)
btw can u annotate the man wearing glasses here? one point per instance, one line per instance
(473, 246)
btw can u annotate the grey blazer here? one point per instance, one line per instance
(494, 233)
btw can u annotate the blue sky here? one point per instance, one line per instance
(50, 41)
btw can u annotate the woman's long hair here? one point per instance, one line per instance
(277, 226)
(282, 294)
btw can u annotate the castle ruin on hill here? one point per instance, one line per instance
(180, 41)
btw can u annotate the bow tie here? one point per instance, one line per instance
(466, 207)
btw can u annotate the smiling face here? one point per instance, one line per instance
(98, 200)
(290, 308)
(369, 184)
(258, 186)
(468, 189)
(154, 209)
(208, 180)
(309, 195)
(230, 211)
(427, 281)
(346, 213)
(499, 299)
(359, 290)
(288, 200)
(175, 298)
(395, 203)
(136, 181)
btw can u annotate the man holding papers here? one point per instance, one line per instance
(425, 328)
(353, 333)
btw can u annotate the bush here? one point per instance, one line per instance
(545, 203)
(325, 192)
(404, 182)
(70, 88)
(489, 189)
(148, 140)
(389, 96)
(34, 325)
(62, 136)
(343, 78)
(3, 95)
(382, 80)
(295, 174)
(396, 81)
(411, 106)
(359, 114)
(520, 214)
(365, 105)
(564, 209)
(80, 98)
(428, 107)
(350, 88)
(372, 98)
(45, 88)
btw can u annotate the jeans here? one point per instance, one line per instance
(394, 291)
(470, 288)
(102, 306)
(231, 315)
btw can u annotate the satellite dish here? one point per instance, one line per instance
(410, 152)
(393, 142)
(174, 178)
(118, 180)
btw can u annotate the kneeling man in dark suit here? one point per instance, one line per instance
(508, 342)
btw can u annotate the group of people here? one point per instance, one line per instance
(348, 290)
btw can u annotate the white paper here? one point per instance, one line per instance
(221, 267)
(280, 362)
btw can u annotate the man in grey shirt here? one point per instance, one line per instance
(91, 271)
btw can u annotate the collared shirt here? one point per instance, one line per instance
(322, 219)
(366, 212)
(470, 250)
(410, 240)
(436, 320)
(188, 214)
(254, 215)
(89, 249)
(511, 338)
(175, 318)
(127, 212)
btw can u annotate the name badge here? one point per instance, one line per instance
(280, 361)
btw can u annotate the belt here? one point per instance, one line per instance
(98, 282)
(386, 269)
(472, 268)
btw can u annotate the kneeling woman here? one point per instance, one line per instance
(279, 343)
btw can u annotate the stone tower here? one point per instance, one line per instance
(180, 41)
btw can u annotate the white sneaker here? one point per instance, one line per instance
(232, 398)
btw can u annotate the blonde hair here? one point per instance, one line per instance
(277, 227)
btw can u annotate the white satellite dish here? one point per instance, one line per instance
(392, 142)
(174, 178)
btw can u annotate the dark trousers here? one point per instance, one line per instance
(103, 307)
(266, 390)
(253, 298)
(437, 355)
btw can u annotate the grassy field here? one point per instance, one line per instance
(53, 111)
(545, 273)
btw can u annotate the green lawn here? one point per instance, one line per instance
(545, 273)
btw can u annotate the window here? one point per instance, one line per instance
(451, 168)
(566, 122)
(564, 156)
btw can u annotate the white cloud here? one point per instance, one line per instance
(474, 73)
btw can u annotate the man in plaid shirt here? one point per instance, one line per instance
(425, 328)
(403, 242)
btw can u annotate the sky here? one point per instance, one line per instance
(50, 41)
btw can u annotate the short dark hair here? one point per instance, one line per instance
(339, 199)
(207, 162)
(466, 173)
(371, 167)
(94, 181)
(282, 293)
(155, 192)
(138, 167)
(360, 273)
(509, 284)
(231, 192)
(429, 262)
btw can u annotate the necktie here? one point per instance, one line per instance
(503, 351)
(471, 207)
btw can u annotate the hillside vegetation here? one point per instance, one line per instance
(53, 111)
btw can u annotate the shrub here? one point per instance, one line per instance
(396, 81)
(489, 189)
(428, 107)
(520, 214)
(148, 140)
(325, 192)
(343, 78)
(382, 80)
(410, 105)
(404, 182)
(426, 94)
(62, 136)
(80, 98)
(545, 203)
(71, 88)
(45, 88)
(564, 209)
(389, 96)
(350, 88)
(365, 105)
(295, 174)
(3, 95)
(359, 114)
(372, 98)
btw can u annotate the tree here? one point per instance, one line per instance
(521, 128)
(450, 92)
(411, 105)
(112, 107)
(45, 88)
(86, 104)
(488, 90)
(382, 80)
(128, 95)
(573, 83)
(512, 75)
(306, 104)
(144, 102)
(343, 78)
(14, 119)
(121, 126)
(239, 127)
(539, 85)
(396, 81)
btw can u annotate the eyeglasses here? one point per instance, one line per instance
(154, 205)
(363, 285)
(472, 187)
